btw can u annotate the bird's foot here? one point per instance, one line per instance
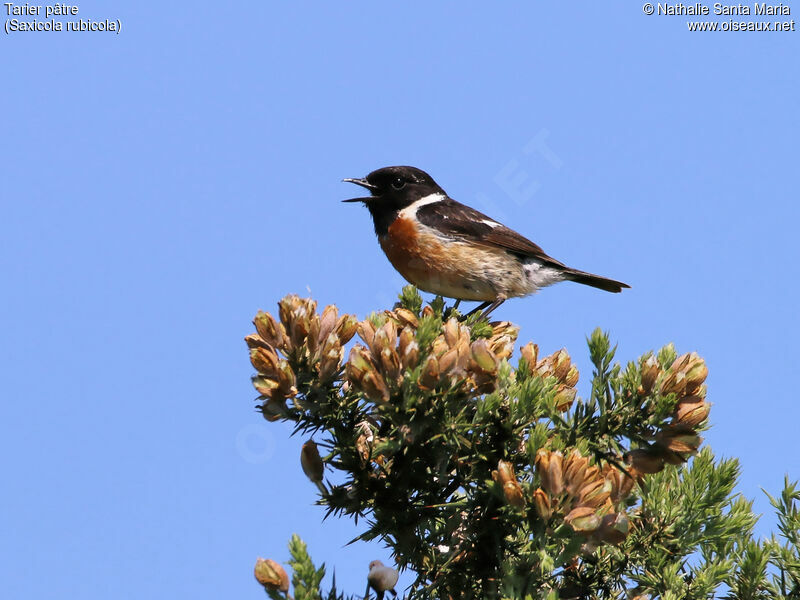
(486, 308)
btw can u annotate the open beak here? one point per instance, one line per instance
(363, 183)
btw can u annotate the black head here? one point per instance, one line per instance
(396, 187)
(392, 189)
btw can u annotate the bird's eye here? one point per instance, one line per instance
(398, 183)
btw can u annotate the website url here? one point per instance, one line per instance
(732, 25)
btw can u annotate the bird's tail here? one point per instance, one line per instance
(602, 283)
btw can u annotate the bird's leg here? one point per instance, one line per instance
(478, 308)
(487, 307)
(492, 306)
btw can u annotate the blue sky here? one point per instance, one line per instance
(161, 185)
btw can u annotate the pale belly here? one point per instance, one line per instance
(457, 270)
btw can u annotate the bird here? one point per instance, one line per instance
(312, 465)
(447, 248)
(381, 579)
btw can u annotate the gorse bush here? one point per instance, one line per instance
(492, 481)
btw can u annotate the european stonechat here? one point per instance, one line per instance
(446, 248)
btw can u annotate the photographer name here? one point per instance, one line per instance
(718, 8)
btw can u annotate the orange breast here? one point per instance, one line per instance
(411, 252)
(448, 267)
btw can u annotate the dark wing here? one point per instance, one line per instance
(459, 221)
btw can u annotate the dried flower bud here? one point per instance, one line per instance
(359, 363)
(645, 460)
(680, 363)
(286, 379)
(513, 494)
(679, 441)
(365, 441)
(406, 318)
(501, 342)
(274, 409)
(621, 482)
(464, 335)
(591, 473)
(271, 575)
(541, 501)
(673, 458)
(312, 465)
(297, 316)
(366, 331)
(327, 323)
(270, 366)
(381, 341)
(575, 468)
(571, 380)
(583, 520)
(448, 362)
(550, 467)
(390, 328)
(410, 356)
(390, 364)
(346, 328)
(564, 398)
(464, 354)
(269, 329)
(264, 385)
(691, 413)
(255, 341)
(673, 383)
(288, 305)
(482, 358)
(614, 528)
(625, 483)
(530, 352)
(427, 311)
(501, 328)
(330, 359)
(451, 332)
(512, 490)
(375, 388)
(265, 360)
(696, 374)
(362, 373)
(561, 364)
(650, 372)
(594, 493)
(301, 326)
(439, 346)
(542, 462)
(555, 473)
(504, 473)
(430, 373)
(404, 339)
(312, 336)
(502, 346)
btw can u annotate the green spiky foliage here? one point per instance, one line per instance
(492, 480)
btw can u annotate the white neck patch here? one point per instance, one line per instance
(410, 211)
